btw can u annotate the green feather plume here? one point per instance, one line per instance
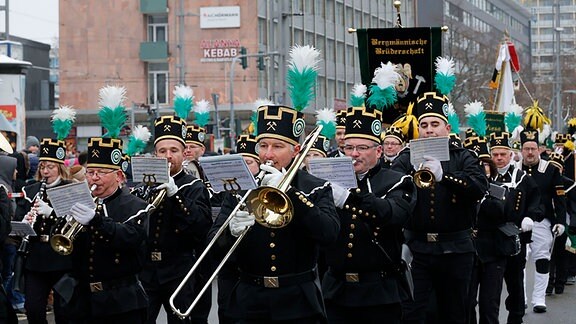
(302, 74)
(202, 113)
(327, 118)
(62, 121)
(453, 119)
(183, 101)
(138, 140)
(112, 112)
(382, 92)
(476, 117)
(513, 117)
(358, 95)
(444, 78)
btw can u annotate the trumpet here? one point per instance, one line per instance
(271, 207)
(62, 242)
(423, 178)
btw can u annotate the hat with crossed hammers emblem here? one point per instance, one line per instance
(500, 140)
(246, 146)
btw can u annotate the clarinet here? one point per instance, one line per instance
(22, 253)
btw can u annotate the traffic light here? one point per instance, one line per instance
(260, 61)
(244, 59)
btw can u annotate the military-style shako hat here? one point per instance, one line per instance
(362, 122)
(529, 135)
(562, 138)
(169, 127)
(247, 145)
(454, 140)
(280, 122)
(477, 144)
(500, 140)
(54, 149)
(470, 132)
(557, 159)
(106, 151)
(341, 119)
(195, 135)
(432, 104)
(393, 132)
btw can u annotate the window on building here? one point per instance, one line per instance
(157, 83)
(340, 52)
(262, 31)
(330, 10)
(157, 28)
(339, 18)
(319, 9)
(330, 50)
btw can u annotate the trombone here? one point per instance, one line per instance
(272, 208)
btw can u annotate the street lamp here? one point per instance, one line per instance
(558, 79)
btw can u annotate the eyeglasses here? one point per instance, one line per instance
(390, 144)
(99, 174)
(49, 167)
(359, 148)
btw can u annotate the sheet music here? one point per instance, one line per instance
(150, 169)
(21, 229)
(227, 172)
(62, 198)
(436, 147)
(339, 170)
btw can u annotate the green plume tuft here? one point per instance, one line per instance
(327, 118)
(254, 120)
(444, 83)
(358, 95)
(381, 98)
(301, 86)
(183, 101)
(113, 119)
(453, 119)
(62, 121)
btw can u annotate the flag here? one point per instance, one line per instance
(502, 77)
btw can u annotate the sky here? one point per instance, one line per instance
(32, 19)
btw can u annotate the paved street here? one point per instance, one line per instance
(561, 308)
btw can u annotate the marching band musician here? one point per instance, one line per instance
(553, 204)
(194, 149)
(179, 225)
(108, 253)
(43, 266)
(228, 275)
(278, 279)
(439, 232)
(364, 278)
(340, 132)
(392, 144)
(526, 198)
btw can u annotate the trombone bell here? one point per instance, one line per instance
(63, 243)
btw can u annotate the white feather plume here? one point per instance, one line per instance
(516, 109)
(546, 130)
(515, 136)
(386, 75)
(261, 102)
(202, 106)
(64, 113)
(184, 92)
(359, 90)
(451, 110)
(326, 115)
(302, 57)
(444, 65)
(142, 133)
(112, 96)
(473, 108)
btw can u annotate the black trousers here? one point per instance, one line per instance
(449, 275)
(133, 317)
(514, 278)
(376, 314)
(559, 263)
(487, 278)
(37, 288)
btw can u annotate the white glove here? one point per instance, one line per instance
(340, 195)
(240, 222)
(273, 177)
(558, 229)
(527, 224)
(434, 166)
(171, 188)
(43, 208)
(82, 213)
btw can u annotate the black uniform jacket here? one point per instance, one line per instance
(108, 255)
(284, 252)
(178, 229)
(449, 206)
(551, 185)
(377, 210)
(41, 257)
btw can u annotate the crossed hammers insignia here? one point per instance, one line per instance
(428, 106)
(271, 125)
(242, 145)
(45, 150)
(357, 123)
(167, 127)
(96, 153)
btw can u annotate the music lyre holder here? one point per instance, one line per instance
(231, 185)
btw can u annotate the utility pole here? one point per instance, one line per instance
(180, 45)
(558, 71)
(232, 65)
